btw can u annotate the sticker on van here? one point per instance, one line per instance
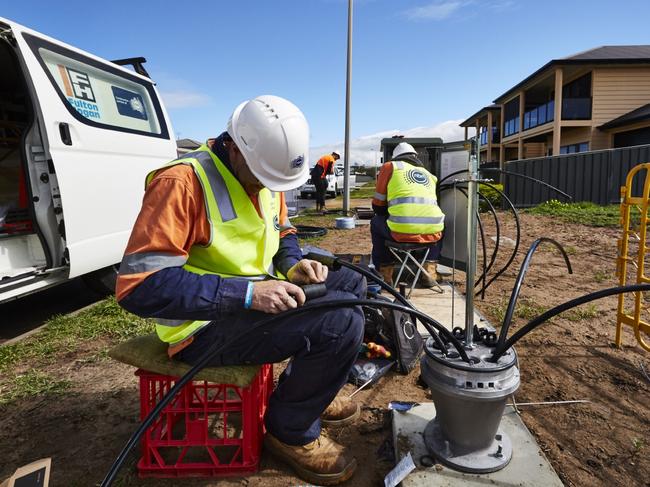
(129, 104)
(79, 91)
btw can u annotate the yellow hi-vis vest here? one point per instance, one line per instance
(412, 203)
(242, 244)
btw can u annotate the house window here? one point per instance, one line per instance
(632, 137)
(574, 148)
(576, 99)
(511, 112)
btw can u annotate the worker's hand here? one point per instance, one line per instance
(307, 271)
(276, 296)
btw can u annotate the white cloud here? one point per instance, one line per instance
(364, 150)
(184, 99)
(434, 11)
(444, 9)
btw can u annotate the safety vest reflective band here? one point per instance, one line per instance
(242, 243)
(412, 203)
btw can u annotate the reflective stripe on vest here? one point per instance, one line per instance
(242, 241)
(412, 203)
(413, 199)
(149, 262)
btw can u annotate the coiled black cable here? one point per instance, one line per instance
(215, 348)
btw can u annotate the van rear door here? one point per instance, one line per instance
(105, 129)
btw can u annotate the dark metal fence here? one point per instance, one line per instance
(587, 176)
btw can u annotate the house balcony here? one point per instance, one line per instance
(540, 115)
(483, 139)
(576, 108)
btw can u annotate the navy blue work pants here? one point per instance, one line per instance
(322, 344)
(380, 233)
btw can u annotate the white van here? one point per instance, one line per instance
(78, 134)
(335, 183)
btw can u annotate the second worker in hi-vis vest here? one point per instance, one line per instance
(213, 251)
(406, 210)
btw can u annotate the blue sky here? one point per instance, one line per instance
(416, 63)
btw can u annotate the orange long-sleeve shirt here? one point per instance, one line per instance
(173, 218)
(327, 163)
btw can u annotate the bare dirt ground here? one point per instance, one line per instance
(601, 443)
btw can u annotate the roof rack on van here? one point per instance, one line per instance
(136, 62)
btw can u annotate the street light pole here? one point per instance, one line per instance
(346, 152)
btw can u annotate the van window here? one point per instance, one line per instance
(99, 94)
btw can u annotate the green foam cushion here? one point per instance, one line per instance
(148, 352)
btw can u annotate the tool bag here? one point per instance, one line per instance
(397, 331)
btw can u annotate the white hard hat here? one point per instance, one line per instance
(273, 136)
(403, 148)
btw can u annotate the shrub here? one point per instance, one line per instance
(491, 194)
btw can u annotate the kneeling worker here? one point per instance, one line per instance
(207, 259)
(406, 210)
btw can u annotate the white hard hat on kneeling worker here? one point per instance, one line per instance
(273, 136)
(402, 149)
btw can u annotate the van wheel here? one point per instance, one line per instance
(304, 196)
(102, 281)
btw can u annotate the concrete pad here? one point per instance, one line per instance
(440, 307)
(528, 467)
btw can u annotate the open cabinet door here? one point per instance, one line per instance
(104, 129)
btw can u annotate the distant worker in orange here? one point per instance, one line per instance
(319, 173)
(406, 210)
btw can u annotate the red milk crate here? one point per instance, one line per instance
(207, 430)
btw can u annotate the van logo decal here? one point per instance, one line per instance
(79, 91)
(80, 85)
(129, 103)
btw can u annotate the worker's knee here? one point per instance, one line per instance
(347, 281)
(345, 327)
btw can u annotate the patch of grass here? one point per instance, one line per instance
(525, 309)
(65, 332)
(585, 312)
(637, 445)
(314, 219)
(32, 383)
(600, 276)
(314, 241)
(365, 191)
(585, 213)
(528, 309)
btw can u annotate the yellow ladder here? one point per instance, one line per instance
(642, 204)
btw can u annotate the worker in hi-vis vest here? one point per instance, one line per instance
(323, 168)
(406, 210)
(213, 251)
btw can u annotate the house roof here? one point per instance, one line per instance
(187, 144)
(600, 55)
(640, 114)
(471, 119)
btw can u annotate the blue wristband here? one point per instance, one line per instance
(248, 300)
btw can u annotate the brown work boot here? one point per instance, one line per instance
(386, 271)
(341, 411)
(430, 278)
(321, 462)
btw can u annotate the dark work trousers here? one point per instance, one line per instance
(380, 233)
(322, 344)
(321, 187)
